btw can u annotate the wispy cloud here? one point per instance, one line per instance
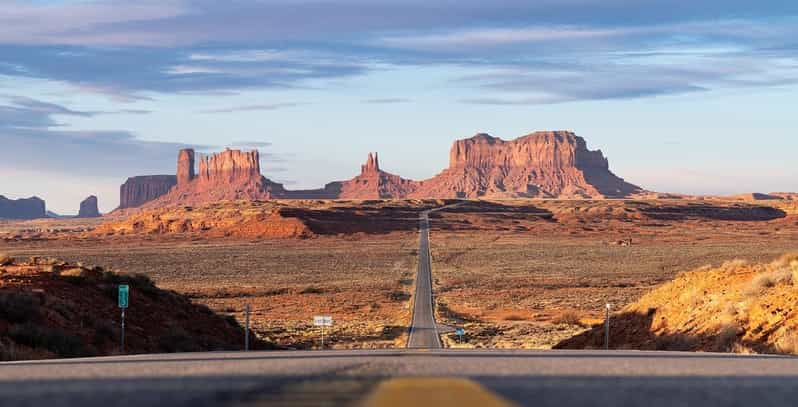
(386, 101)
(137, 50)
(250, 108)
(498, 37)
(33, 140)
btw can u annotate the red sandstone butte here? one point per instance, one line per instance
(226, 176)
(549, 164)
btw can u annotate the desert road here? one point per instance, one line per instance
(423, 330)
(405, 377)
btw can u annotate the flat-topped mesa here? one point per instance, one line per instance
(372, 165)
(27, 208)
(229, 166)
(540, 149)
(185, 166)
(546, 164)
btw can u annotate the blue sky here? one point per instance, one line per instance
(682, 96)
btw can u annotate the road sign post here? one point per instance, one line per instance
(460, 332)
(607, 328)
(124, 302)
(246, 329)
(322, 321)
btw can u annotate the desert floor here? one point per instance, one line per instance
(514, 275)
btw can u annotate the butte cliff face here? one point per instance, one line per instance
(539, 165)
(28, 208)
(137, 191)
(88, 208)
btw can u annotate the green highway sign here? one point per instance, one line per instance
(124, 296)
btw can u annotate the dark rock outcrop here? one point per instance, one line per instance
(27, 208)
(88, 208)
(137, 191)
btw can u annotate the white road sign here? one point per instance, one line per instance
(322, 320)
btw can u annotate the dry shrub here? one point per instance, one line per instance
(7, 351)
(19, 307)
(568, 318)
(312, 290)
(675, 342)
(730, 310)
(514, 317)
(51, 338)
(734, 266)
(788, 343)
(5, 259)
(789, 259)
(726, 339)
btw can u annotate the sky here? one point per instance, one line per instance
(682, 96)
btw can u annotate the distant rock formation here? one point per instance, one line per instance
(88, 208)
(137, 191)
(226, 176)
(373, 183)
(28, 208)
(552, 164)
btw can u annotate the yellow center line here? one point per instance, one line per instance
(438, 392)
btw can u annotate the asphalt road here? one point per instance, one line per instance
(402, 377)
(423, 330)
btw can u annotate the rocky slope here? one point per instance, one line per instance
(50, 308)
(28, 208)
(272, 219)
(242, 219)
(137, 191)
(737, 307)
(88, 208)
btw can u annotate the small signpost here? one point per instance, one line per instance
(246, 329)
(322, 321)
(459, 332)
(124, 301)
(607, 328)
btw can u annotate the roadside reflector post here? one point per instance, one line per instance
(607, 328)
(246, 329)
(124, 301)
